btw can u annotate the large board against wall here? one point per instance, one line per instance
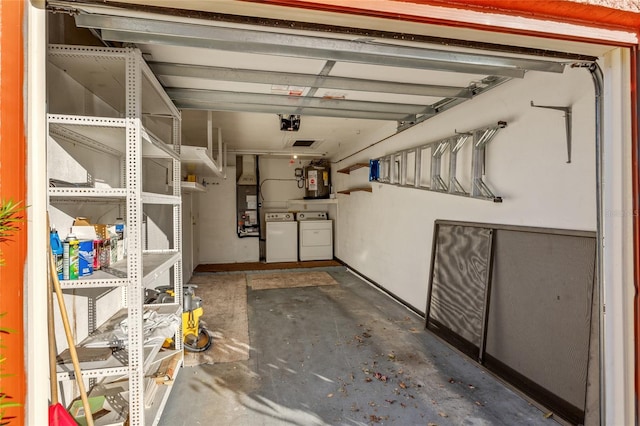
(519, 300)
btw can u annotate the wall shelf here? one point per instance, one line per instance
(192, 187)
(347, 170)
(350, 190)
(318, 201)
(198, 160)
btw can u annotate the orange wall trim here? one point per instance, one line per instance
(13, 185)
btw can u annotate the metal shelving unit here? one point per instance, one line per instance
(121, 79)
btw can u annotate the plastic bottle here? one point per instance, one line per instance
(71, 257)
(57, 250)
(122, 238)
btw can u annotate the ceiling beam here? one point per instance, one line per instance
(315, 112)
(136, 30)
(215, 97)
(306, 80)
(292, 110)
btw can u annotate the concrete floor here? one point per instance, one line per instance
(342, 355)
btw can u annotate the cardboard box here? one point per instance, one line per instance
(101, 231)
(97, 405)
(81, 221)
(191, 178)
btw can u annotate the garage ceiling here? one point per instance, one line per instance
(342, 86)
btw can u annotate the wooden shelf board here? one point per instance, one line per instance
(356, 166)
(350, 190)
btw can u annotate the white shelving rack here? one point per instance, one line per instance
(121, 79)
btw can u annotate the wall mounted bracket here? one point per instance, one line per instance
(567, 121)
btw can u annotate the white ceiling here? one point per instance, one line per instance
(185, 54)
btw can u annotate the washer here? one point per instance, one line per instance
(315, 236)
(282, 237)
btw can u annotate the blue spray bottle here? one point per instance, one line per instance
(56, 249)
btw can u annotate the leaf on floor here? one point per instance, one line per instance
(548, 415)
(381, 377)
(443, 414)
(330, 395)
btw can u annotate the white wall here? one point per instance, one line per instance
(219, 242)
(217, 225)
(387, 234)
(617, 248)
(278, 183)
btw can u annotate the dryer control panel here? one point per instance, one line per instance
(279, 217)
(312, 216)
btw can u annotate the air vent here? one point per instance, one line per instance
(303, 144)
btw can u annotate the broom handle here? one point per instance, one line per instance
(72, 346)
(53, 368)
(53, 381)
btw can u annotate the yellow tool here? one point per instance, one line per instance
(195, 336)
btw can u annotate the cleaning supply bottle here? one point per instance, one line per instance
(57, 250)
(122, 238)
(71, 257)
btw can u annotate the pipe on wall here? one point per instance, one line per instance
(635, 184)
(596, 74)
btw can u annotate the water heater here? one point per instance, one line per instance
(317, 178)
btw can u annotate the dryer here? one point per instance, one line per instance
(282, 237)
(315, 236)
